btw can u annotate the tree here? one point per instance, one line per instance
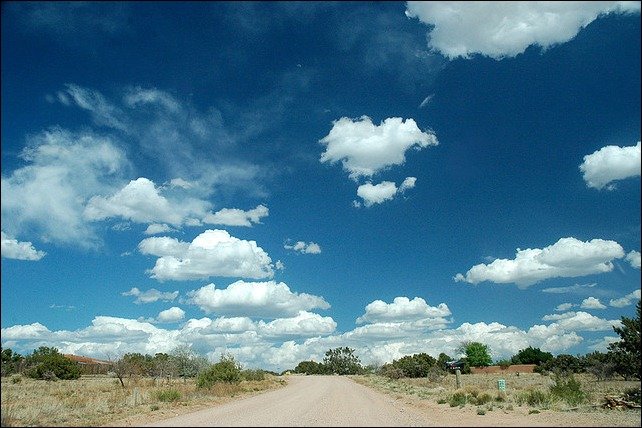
(416, 365)
(342, 361)
(186, 362)
(442, 359)
(627, 350)
(227, 370)
(310, 368)
(477, 354)
(531, 355)
(11, 362)
(48, 363)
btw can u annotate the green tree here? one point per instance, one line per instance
(416, 365)
(186, 362)
(48, 363)
(627, 350)
(227, 370)
(310, 368)
(342, 361)
(11, 362)
(442, 359)
(531, 355)
(477, 354)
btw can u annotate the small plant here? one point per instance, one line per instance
(568, 389)
(458, 399)
(633, 395)
(533, 412)
(255, 375)
(535, 397)
(154, 407)
(16, 379)
(167, 395)
(481, 412)
(484, 398)
(442, 401)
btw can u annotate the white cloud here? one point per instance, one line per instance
(237, 217)
(262, 299)
(402, 309)
(212, 253)
(305, 248)
(151, 295)
(103, 112)
(384, 191)
(564, 307)
(581, 321)
(573, 289)
(609, 164)
(592, 303)
(141, 201)
(156, 228)
(172, 314)
(47, 196)
(627, 300)
(568, 257)
(304, 324)
(13, 249)
(28, 331)
(506, 29)
(365, 149)
(634, 258)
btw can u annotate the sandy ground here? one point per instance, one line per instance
(339, 401)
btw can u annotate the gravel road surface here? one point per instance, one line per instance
(307, 401)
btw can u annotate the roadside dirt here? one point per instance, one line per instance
(339, 401)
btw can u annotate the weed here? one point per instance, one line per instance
(168, 395)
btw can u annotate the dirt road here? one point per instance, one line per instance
(340, 401)
(307, 401)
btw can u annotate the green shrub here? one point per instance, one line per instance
(483, 399)
(458, 399)
(227, 370)
(535, 397)
(167, 395)
(256, 375)
(568, 389)
(47, 363)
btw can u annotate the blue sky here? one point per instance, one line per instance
(277, 179)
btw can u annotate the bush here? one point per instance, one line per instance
(256, 375)
(47, 363)
(568, 389)
(227, 370)
(458, 399)
(633, 395)
(167, 395)
(391, 372)
(535, 397)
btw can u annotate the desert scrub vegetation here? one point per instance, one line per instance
(97, 400)
(558, 392)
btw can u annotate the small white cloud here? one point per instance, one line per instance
(151, 295)
(365, 149)
(572, 289)
(609, 164)
(426, 101)
(402, 309)
(156, 228)
(13, 249)
(237, 217)
(634, 258)
(568, 257)
(592, 303)
(627, 300)
(212, 253)
(506, 29)
(564, 307)
(303, 247)
(266, 299)
(279, 265)
(172, 314)
(384, 191)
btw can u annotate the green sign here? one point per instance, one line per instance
(501, 385)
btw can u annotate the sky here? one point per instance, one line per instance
(273, 180)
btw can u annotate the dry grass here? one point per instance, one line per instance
(518, 387)
(100, 400)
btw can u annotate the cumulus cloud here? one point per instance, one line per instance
(402, 309)
(141, 201)
(384, 191)
(212, 253)
(505, 29)
(237, 217)
(172, 314)
(611, 163)
(13, 249)
(151, 295)
(303, 247)
(633, 257)
(592, 303)
(304, 324)
(563, 307)
(581, 321)
(365, 149)
(156, 228)
(627, 300)
(262, 299)
(568, 257)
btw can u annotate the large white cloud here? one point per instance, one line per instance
(212, 253)
(384, 191)
(402, 309)
(13, 249)
(141, 201)
(64, 170)
(365, 148)
(261, 299)
(568, 257)
(506, 29)
(592, 303)
(403, 327)
(611, 163)
(237, 217)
